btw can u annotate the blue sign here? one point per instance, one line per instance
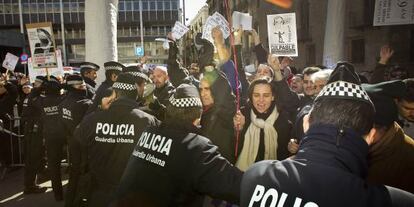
(24, 57)
(139, 51)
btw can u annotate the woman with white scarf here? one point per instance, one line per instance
(264, 131)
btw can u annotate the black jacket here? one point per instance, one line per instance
(104, 90)
(50, 117)
(72, 110)
(107, 139)
(7, 101)
(282, 126)
(329, 170)
(174, 166)
(31, 112)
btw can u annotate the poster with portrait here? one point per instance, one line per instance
(56, 71)
(393, 12)
(42, 45)
(282, 34)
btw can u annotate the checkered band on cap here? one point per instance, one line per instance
(114, 67)
(88, 66)
(75, 82)
(124, 86)
(139, 74)
(345, 90)
(185, 102)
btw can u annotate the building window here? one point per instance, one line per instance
(174, 5)
(56, 7)
(128, 6)
(358, 51)
(167, 5)
(159, 5)
(152, 5)
(136, 6)
(121, 6)
(81, 7)
(74, 7)
(145, 5)
(66, 7)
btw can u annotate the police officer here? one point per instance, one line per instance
(112, 70)
(172, 165)
(51, 132)
(33, 137)
(72, 110)
(88, 72)
(108, 138)
(331, 164)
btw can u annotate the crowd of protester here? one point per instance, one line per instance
(227, 120)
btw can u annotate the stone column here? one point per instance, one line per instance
(333, 49)
(101, 33)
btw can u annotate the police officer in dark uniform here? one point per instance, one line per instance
(112, 70)
(88, 72)
(172, 165)
(139, 76)
(72, 110)
(49, 106)
(33, 137)
(331, 164)
(108, 138)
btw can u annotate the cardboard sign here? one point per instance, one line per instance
(282, 34)
(10, 61)
(242, 19)
(179, 30)
(393, 12)
(58, 71)
(213, 21)
(42, 45)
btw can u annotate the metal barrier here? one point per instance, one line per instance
(19, 161)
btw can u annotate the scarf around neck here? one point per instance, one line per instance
(252, 140)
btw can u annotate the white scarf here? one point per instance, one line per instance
(252, 140)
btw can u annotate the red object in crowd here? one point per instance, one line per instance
(286, 4)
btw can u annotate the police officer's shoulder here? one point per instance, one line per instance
(84, 102)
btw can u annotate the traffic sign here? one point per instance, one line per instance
(139, 51)
(23, 58)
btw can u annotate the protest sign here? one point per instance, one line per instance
(213, 21)
(282, 34)
(393, 12)
(10, 61)
(179, 30)
(242, 19)
(57, 71)
(42, 45)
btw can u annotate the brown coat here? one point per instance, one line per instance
(391, 160)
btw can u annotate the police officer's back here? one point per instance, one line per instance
(172, 165)
(51, 132)
(331, 164)
(108, 137)
(72, 109)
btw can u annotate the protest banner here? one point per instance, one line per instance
(242, 19)
(10, 61)
(282, 34)
(42, 45)
(179, 30)
(393, 12)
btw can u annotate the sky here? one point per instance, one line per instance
(192, 7)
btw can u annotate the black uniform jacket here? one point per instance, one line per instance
(90, 87)
(49, 106)
(104, 90)
(171, 166)
(328, 170)
(72, 109)
(108, 138)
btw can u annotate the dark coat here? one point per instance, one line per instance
(104, 90)
(389, 158)
(107, 139)
(73, 109)
(282, 126)
(327, 171)
(188, 167)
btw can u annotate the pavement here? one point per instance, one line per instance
(11, 191)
